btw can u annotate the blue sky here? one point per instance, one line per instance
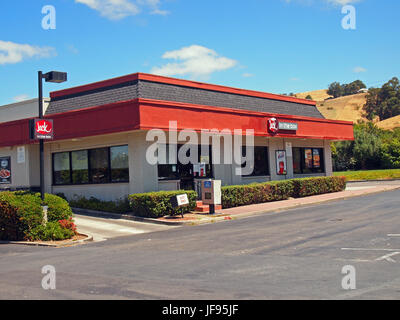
(277, 46)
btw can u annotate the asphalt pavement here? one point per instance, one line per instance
(294, 254)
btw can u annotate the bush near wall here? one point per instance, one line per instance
(242, 195)
(119, 206)
(157, 204)
(21, 217)
(313, 186)
(235, 196)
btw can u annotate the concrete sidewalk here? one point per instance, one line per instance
(262, 208)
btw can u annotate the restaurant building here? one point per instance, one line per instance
(101, 137)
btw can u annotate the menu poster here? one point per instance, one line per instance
(281, 168)
(316, 158)
(308, 158)
(5, 170)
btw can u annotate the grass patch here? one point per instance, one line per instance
(370, 174)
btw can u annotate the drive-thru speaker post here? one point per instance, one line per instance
(211, 193)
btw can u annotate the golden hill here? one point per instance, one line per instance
(348, 108)
(390, 123)
(316, 95)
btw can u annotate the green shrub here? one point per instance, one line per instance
(318, 185)
(51, 231)
(21, 215)
(59, 208)
(157, 204)
(119, 206)
(235, 196)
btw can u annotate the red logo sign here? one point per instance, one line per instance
(273, 125)
(44, 129)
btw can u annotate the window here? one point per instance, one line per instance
(119, 164)
(308, 160)
(79, 166)
(167, 170)
(99, 165)
(103, 165)
(61, 168)
(261, 166)
(177, 170)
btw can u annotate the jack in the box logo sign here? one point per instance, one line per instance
(273, 125)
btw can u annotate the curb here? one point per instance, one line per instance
(102, 214)
(218, 217)
(375, 180)
(89, 238)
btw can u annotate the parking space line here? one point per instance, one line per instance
(388, 257)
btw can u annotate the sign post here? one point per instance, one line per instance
(44, 129)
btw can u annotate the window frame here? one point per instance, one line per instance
(314, 170)
(266, 150)
(90, 181)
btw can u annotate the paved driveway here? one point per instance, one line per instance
(106, 228)
(295, 254)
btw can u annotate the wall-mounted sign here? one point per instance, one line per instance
(274, 125)
(281, 168)
(44, 129)
(291, 126)
(288, 147)
(21, 154)
(5, 170)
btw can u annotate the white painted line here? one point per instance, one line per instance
(366, 249)
(393, 235)
(388, 257)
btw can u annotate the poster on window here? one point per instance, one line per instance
(316, 158)
(308, 158)
(5, 170)
(281, 168)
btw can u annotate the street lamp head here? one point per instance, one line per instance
(55, 76)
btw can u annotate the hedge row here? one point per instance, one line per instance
(21, 217)
(158, 204)
(119, 206)
(235, 196)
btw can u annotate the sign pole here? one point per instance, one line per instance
(41, 142)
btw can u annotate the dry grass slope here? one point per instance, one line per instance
(348, 108)
(390, 123)
(317, 95)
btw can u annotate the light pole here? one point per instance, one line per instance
(56, 77)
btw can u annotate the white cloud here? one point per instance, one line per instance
(359, 70)
(11, 52)
(333, 2)
(195, 61)
(119, 9)
(154, 6)
(248, 75)
(21, 97)
(112, 9)
(342, 2)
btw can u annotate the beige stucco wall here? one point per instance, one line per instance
(25, 174)
(22, 110)
(143, 176)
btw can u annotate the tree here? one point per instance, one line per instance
(384, 102)
(309, 97)
(335, 90)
